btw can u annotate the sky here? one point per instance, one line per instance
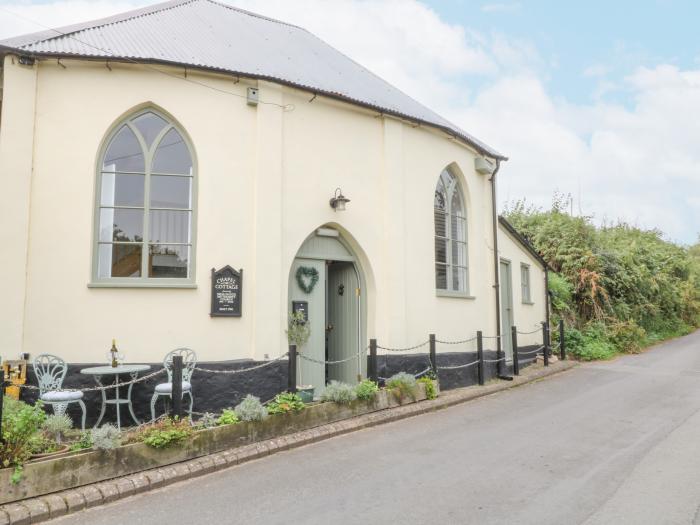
(596, 100)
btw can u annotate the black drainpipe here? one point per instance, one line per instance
(496, 268)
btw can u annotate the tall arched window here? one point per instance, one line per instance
(145, 204)
(451, 267)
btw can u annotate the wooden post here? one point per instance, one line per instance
(373, 368)
(562, 345)
(176, 392)
(516, 363)
(545, 353)
(480, 355)
(433, 355)
(292, 369)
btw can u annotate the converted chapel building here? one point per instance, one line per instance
(141, 151)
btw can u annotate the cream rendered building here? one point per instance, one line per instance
(141, 151)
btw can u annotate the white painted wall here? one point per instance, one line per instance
(527, 316)
(264, 178)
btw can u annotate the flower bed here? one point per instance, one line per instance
(52, 474)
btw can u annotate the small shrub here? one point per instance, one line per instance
(208, 420)
(285, 402)
(57, 425)
(20, 421)
(338, 392)
(85, 441)
(366, 390)
(402, 385)
(430, 388)
(627, 336)
(107, 437)
(227, 417)
(250, 409)
(167, 432)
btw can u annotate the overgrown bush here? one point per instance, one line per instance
(402, 385)
(338, 392)
(250, 409)
(618, 288)
(366, 390)
(285, 402)
(167, 432)
(228, 417)
(106, 437)
(20, 422)
(430, 387)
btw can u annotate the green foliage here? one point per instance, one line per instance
(209, 420)
(366, 390)
(285, 402)
(167, 432)
(298, 329)
(83, 442)
(57, 425)
(20, 422)
(338, 392)
(402, 385)
(228, 417)
(250, 409)
(107, 437)
(617, 287)
(430, 388)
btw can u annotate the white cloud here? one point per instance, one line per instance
(639, 162)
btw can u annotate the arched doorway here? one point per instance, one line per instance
(327, 281)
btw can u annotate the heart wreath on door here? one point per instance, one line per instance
(307, 277)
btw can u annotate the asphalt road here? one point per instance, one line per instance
(605, 443)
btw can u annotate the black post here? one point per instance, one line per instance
(292, 369)
(562, 345)
(545, 344)
(176, 393)
(433, 355)
(516, 358)
(373, 369)
(3, 384)
(480, 355)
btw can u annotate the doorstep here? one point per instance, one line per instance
(43, 508)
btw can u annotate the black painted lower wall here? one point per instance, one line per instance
(214, 392)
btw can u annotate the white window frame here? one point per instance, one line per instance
(454, 187)
(144, 281)
(525, 284)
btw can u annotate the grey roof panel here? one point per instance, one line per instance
(209, 35)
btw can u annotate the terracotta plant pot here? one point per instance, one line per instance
(61, 450)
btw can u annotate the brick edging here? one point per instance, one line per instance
(43, 508)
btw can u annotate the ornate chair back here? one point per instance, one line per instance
(189, 361)
(50, 371)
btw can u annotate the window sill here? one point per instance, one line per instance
(142, 285)
(456, 295)
(528, 303)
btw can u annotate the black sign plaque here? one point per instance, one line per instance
(226, 292)
(303, 307)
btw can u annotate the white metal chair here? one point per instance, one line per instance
(189, 361)
(50, 371)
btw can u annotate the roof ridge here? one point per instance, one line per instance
(51, 33)
(256, 15)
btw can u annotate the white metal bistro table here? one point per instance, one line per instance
(99, 371)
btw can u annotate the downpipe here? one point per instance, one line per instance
(497, 286)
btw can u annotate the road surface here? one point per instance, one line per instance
(605, 443)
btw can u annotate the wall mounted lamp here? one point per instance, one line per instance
(339, 200)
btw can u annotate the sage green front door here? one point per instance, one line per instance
(308, 372)
(506, 309)
(343, 323)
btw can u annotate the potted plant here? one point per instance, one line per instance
(298, 333)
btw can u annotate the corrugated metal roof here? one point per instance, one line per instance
(209, 35)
